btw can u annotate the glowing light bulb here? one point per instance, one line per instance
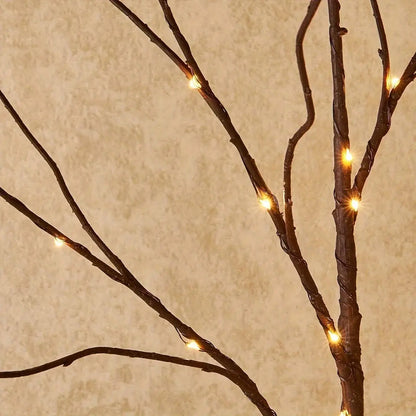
(355, 203)
(347, 157)
(194, 83)
(193, 345)
(335, 338)
(392, 82)
(58, 242)
(265, 200)
(344, 413)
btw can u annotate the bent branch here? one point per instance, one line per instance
(70, 358)
(241, 378)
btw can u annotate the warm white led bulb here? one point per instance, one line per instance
(58, 242)
(355, 203)
(194, 83)
(394, 82)
(265, 202)
(346, 157)
(335, 338)
(193, 345)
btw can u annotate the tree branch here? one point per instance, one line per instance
(388, 102)
(153, 37)
(383, 117)
(64, 188)
(69, 359)
(219, 110)
(349, 371)
(241, 378)
(293, 247)
(260, 186)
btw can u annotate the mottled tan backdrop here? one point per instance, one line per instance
(155, 173)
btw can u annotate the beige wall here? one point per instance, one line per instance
(155, 174)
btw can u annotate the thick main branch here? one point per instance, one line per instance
(350, 372)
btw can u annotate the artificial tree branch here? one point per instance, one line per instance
(153, 37)
(219, 110)
(70, 358)
(260, 186)
(293, 246)
(350, 372)
(383, 124)
(64, 188)
(182, 43)
(383, 117)
(240, 378)
(293, 141)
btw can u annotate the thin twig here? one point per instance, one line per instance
(69, 359)
(241, 378)
(293, 247)
(64, 188)
(383, 125)
(383, 116)
(153, 37)
(219, 110)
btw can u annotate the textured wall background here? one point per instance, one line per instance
(155, 174)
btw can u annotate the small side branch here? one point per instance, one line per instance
(241, 379)
(216, 106)
(153, 37)
(293, 249)
(69, 359)
(390, 96)
(384, 115)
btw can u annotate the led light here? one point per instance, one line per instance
(194, 83)
(392, 82)
(355, 203)
(58, 242)
(193, 345)
(335, 338)
(346, 157)
(265, 201)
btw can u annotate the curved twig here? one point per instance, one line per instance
(241, 379)
(70, 358)
(294, 251)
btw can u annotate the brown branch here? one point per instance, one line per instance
(64, 189)
(383, 117)
(255, 176)
(69, 359)
(349, 371)
(383, 125)
(293, 247)
(153, 37)
(388, 102)
(219, 110)
(407, 77)
(260, 186)
(241, 378)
